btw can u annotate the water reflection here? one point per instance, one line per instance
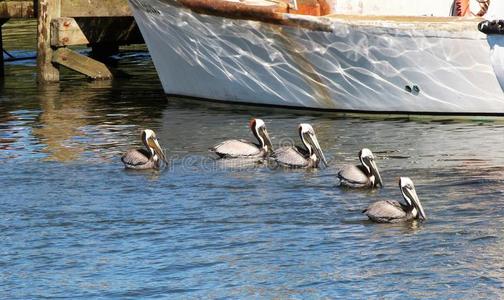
(78, 116)
(59, 123)
(206, 228)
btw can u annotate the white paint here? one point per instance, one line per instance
(393, 7)
(359, 66)
(497, 56)
(495, 10)
(441, 8)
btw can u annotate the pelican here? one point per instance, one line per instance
(298, 157)
(141, 159)
(365, 175)
(390, 211)
(242, 148)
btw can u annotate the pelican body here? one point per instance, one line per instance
(246, 149)
(150, 158)
(390, 211)
(365, 175)
(297, 157)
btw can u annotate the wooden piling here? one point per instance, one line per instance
(47, 10)
(12, 9)
(2, 72)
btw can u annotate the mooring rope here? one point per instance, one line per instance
(13, 58)
(8, 54)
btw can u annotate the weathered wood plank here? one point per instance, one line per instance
(82, 64)
(95, 8)
(92, 31)
(69, 8)
(17, 9)
(47, 10)
(66, 32)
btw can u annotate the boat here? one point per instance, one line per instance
(362, 56)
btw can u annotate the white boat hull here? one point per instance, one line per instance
(393, 67)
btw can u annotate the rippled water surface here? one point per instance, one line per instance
(75, 224)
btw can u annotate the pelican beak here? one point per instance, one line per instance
(157, 149)
(416, 203)
(267, 140)
(376, 173)
(316, 146)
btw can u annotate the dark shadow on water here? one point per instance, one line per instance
(405, 227)
(258, 110)
(152, 175)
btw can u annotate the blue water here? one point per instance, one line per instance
(75, 224)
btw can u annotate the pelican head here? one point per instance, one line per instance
(368, 161)
(410, 196)
(259, 130)
(150, 141)
(311, 143)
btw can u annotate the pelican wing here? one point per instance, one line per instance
(236, 148)
(353, 176)
(291, 156)
(387, 211)
(136, 158)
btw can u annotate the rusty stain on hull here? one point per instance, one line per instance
(276, 13)
(257, 8)
(319, 19)
(319, 89)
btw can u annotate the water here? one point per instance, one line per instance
(75, 224)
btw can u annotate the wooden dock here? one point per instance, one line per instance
(102, 25)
